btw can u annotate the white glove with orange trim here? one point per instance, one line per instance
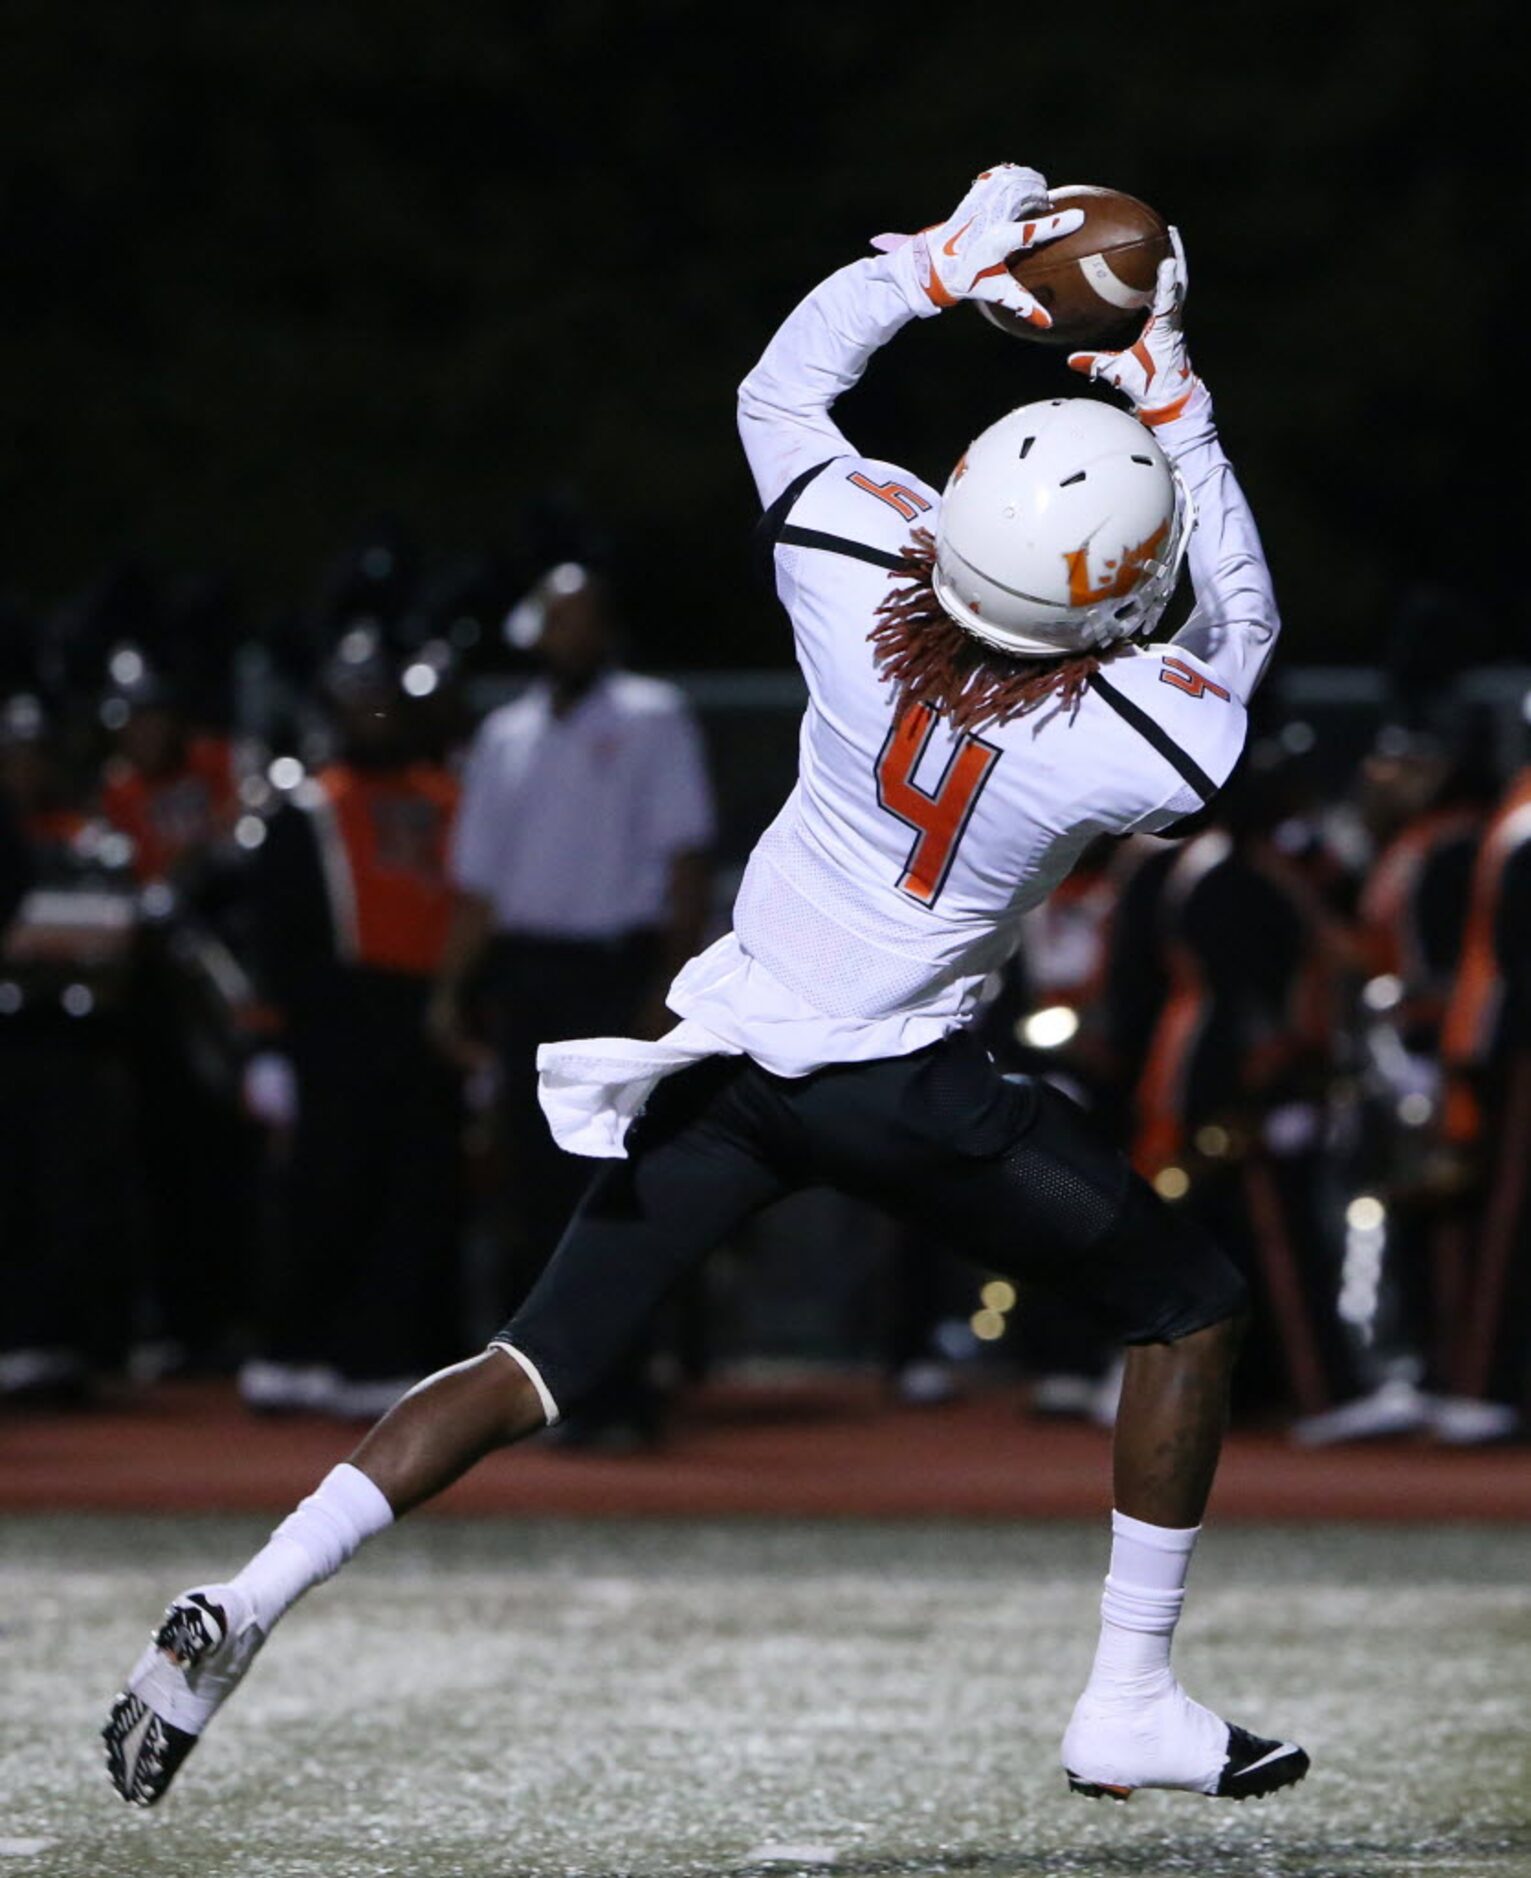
(963, 258)
(1154, 375)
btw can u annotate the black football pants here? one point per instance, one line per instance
(1008, 1172)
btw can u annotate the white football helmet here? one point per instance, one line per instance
(1062, 530)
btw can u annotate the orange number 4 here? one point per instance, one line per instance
(1182, 676)
(900, 496)
(938, 818)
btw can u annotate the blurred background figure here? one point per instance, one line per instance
(349, 909)
(1420, 799)
(169, 787)
(581, 870)
(71, 1214)
(1059, 1029)
(1229, 1104)
(1486, 1051)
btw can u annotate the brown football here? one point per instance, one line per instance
(1096, 282)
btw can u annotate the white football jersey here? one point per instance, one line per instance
(897, 872)
(891, 886)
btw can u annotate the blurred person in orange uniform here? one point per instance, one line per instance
(580, 863)
(34, 778)
(1421, 799)
(70, 1219)
(1230, 1118)
(170, 787)
(1424, 808)
(1062, 1033)
(1486, 1124)
(350, 907)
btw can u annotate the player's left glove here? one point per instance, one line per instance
(963, 258)
(1154, 375)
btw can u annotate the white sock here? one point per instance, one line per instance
(313, 1543)
(1140, 1607)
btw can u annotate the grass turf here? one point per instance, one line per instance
(552, 1699)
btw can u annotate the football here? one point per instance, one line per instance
(1096, 282)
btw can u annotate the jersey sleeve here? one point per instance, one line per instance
(1168, 741)
(820, 351)
(835, 549)
(1234, 627)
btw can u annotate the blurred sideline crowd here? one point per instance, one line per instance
(269, 1010)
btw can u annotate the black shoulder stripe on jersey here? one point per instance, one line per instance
(1187, 826)
(1151, 731)
(768, 528)
(1200, 820)
(840, 544)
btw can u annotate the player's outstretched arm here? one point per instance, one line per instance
(1235, 625)
(823, 346)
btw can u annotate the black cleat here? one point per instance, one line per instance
(194, 1662)
(1112, 1749)
(1255, 1767)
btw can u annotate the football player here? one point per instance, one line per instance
(979, 713)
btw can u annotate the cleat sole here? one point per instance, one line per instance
(193, 1663)
(1098, 1789)
(143, 1752)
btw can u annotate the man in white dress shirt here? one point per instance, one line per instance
(579, 857)
(978, 714)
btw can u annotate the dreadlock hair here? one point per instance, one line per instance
(921, 649)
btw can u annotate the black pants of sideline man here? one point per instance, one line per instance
(1009, 1172)
(546, 990)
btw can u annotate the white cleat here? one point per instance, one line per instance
(1465, 1422)
(194, 1663)
(270, 1388)
(1166, 1740)
(1395, 1408)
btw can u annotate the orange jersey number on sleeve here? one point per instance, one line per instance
(900, 496)
(940, 816)
(1177, 673)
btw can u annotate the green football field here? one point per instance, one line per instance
(488, 1699)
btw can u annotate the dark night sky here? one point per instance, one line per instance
(273, 267)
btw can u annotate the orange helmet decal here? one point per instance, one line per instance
(1120, 578)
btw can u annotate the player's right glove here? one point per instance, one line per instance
(1154, 375)
(963, 258)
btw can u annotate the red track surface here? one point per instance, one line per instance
(823, 1448)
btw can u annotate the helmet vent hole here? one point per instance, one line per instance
(1077, 477)
(1026, 446)
(1126, 612)
(1146, 461)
